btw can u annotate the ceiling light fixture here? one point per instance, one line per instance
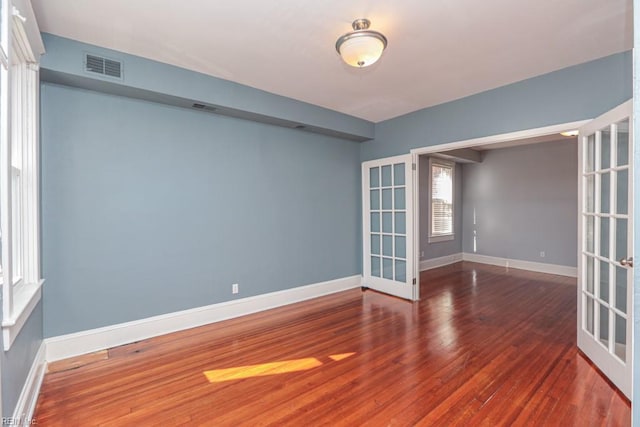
(569, 133)
(362, 46)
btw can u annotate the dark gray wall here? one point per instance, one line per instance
(439, 249)
(525, 201)
(150, 209)
(17, 362)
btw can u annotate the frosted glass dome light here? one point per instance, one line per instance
(361, 47)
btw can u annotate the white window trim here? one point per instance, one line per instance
(20, 298)
(436, 238)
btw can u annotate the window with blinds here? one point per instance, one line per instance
(441, 203)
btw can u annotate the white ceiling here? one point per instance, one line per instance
(439, 50)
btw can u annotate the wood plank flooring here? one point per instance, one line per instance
(484, 347)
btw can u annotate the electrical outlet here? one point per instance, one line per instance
(542, 254)
(234, 288)
(422, 254)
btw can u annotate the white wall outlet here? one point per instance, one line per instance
(422, 254)
(542, 254)
(234, 288)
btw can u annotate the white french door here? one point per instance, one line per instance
(387, 208)
(605, 257)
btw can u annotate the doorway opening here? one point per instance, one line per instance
(511, 204)
(602, 218)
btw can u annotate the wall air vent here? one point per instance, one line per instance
(95, 64)
(204, 107)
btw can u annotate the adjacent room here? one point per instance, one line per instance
(508, 204)
(317, 213)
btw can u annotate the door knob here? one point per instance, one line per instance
(627, 262)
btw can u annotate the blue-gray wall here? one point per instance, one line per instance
(149, 209)
(17, 362)
(524, 200)
(64, 63)
(576, 93)
(449, 247)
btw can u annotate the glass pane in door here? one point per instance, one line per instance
(375, 222)
(386, 176)
(387, 226)
(620, 296)
(374, 177)
(375, 199)
(590, 194)
(605, 149)
(605, 192)
(398, 196)
(375, 266)
(386, 199)
(590, 274)
(401, 271)
(401, 247)
(622, 190)
(375, 244)
(589, 314)
(604, 281)
(590, 149)
(621, 239)
(622, 151)
(604, 237)
(620, 345)
(398, 174)
(590, 231)
(401, 223)
(387, 268)
(387, 246)
(604, 325)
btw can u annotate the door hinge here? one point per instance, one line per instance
(414, 280)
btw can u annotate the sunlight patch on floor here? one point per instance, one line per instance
(271, 368)
(339, 357)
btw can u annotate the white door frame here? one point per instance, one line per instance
(503, 137)
(470, 143)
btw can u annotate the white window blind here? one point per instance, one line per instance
(441, 198)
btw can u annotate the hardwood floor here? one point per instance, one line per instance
(484, 346)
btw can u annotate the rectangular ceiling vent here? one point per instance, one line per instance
(95, 64)
(203, 107)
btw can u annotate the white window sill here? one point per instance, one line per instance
(25, 298)
(441, 238)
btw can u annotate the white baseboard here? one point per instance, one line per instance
(561, 270)
(76, 344)
(428, 264)
(26, 405)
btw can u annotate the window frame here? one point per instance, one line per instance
(20, 276)
(442, 237)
